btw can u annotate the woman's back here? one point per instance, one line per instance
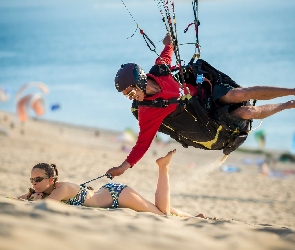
(69, 193)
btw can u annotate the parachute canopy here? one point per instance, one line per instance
(33, 101)
(40, 85)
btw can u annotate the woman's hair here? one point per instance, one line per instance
(50, 171)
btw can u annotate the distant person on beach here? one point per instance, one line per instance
(44, 178)
(223, 122)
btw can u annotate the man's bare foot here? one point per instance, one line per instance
(165, 160)
(291, 104)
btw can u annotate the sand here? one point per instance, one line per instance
(245, 209)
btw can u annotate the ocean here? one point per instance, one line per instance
(76, 48)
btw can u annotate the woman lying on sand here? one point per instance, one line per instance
(112, 195)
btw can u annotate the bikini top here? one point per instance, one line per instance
(79, 199)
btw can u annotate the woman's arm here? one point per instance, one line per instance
(27, 195)
(58, 194)
(36, 196)
(31, 196)
(24, 196)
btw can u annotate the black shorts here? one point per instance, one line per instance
(223, 110)
(220, 90)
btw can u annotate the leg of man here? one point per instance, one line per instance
(261, 112)
(255, 93)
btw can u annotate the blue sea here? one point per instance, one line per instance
(76, 48)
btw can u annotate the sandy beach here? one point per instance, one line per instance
(247, 206)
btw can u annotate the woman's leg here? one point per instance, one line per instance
(129, 198)
(180, 213)
(162, 196)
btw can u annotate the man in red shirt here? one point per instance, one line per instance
(136, 85)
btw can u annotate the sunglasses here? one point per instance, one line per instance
(131, 93)
(37, 179)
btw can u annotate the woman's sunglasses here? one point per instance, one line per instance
(37, 179)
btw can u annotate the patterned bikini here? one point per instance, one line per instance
(79, 199)
(115, 190)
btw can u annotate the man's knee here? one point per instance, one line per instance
(245, 112)
(235, 95)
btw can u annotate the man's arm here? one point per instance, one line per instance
(166, 55)
(150, 121)
(116, 171)
(145, 137)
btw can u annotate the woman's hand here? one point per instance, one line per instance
(36, 196)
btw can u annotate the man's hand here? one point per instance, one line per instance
(167, 39)
(116, 171)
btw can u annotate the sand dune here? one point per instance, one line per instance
(245, 209)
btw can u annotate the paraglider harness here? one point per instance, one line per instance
(199, 121)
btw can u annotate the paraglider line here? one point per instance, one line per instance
(107, 175)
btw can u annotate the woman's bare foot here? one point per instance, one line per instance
(165, 160)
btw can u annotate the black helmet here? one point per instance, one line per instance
(130, 74)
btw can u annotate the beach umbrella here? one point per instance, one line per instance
(33, 101)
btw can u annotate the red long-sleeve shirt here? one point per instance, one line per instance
(150, 118)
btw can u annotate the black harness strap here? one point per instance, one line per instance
(159, 102)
